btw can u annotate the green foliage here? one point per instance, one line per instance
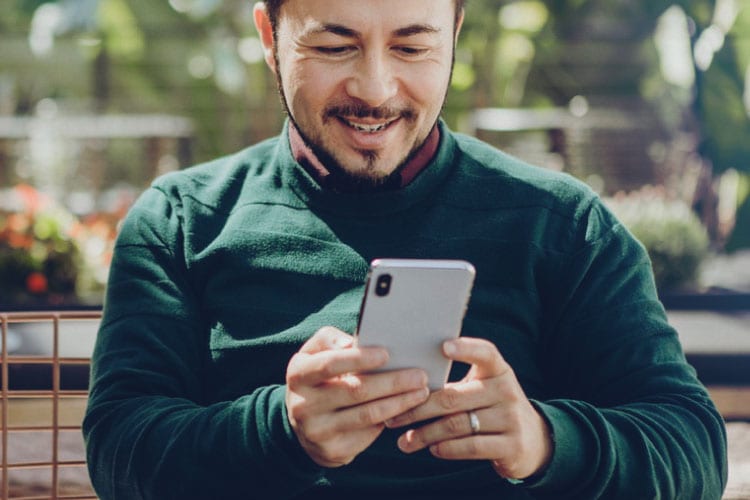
(740, 236)
(674, 237)
(720, 100)
(123, 36)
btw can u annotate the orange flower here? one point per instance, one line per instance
(32, 199)
(23, 241)
(36, 283)
(18, 223)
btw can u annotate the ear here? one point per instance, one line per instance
(265, 30)
(459, 23)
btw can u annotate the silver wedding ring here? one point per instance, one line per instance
(474, 422)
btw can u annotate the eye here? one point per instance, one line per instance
(338, 50)
(411, 51)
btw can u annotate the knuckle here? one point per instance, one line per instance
(506, 372)
(455, 424)
(513, 396)
(448, 399)
(294, 371)
(293, 380)
(327, 369)
(472, 446)
(368, 415)
(409, 415)
(357, 390)
(297, 409)
(297, 413)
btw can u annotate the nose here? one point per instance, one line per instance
(373, 82)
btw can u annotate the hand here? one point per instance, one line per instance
(335, 410)
(511, 434)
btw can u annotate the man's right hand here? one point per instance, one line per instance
(335, 409)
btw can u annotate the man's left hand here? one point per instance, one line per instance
(484, 416)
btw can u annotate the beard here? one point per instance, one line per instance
(366, 179)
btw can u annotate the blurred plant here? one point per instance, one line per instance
(674, 237)
(44, 252)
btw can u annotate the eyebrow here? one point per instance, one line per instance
(343, 31)
(416, 29)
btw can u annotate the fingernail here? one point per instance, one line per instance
(420, 395)
(448, 348)
(404, 441)
(401, 444)
(382, 356)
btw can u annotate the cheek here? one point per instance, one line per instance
(311, 88)
(426, 84)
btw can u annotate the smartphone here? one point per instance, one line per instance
(410, 307)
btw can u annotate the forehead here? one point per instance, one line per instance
(367, 15)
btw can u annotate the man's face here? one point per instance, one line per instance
(363, 80)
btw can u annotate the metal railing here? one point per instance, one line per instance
(44, 393)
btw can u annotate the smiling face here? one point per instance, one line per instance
(364, 81)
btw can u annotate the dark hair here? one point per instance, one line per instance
(274, 6)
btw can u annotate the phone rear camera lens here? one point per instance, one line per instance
(383, 285)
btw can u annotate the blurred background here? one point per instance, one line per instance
(645, 100)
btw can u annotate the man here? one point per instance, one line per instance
(224, 367)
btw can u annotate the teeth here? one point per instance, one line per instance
(368, 128)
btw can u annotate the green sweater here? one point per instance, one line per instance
(223, 270)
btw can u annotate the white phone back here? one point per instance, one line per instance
(424, 307)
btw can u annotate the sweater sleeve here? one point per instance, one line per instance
(630, 419)
(149, 430)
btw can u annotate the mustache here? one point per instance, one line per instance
(358, 110)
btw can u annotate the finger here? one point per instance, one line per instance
(378, 411)
(482, 354)
(327, 338)
(307, 369)
(458, 425)
(326, 426)
(500, 449)
(453, 398)
(478, 447)
(354, 389)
